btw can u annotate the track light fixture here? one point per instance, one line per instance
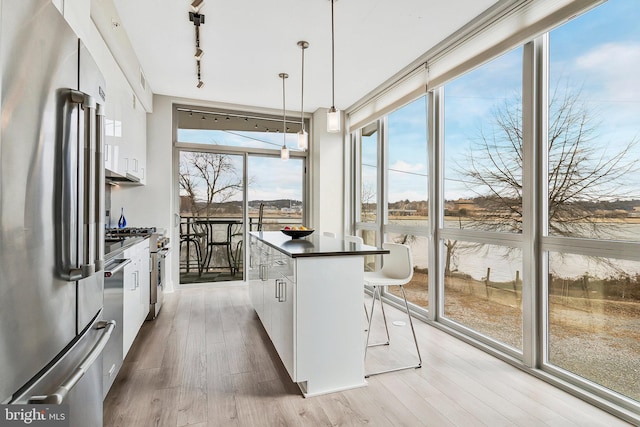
(196, 5)
(284, 151)
(198, 19)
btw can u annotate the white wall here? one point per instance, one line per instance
(327, 177)
(152, 204)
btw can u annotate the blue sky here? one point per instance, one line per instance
(597, 53)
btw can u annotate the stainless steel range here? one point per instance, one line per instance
(159, 248)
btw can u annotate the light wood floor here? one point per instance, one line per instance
(207, 361)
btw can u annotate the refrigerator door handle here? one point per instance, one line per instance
(57, 397)
(98, 185)
(86, 265)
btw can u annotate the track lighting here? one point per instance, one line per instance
(196, 5)
(197, 19)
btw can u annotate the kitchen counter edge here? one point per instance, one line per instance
(314, 245)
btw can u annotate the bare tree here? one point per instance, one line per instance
(368, 200)
(207, 179)
(579, 170)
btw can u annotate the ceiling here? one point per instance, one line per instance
(247, 43)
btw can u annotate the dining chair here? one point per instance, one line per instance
(397, 270)
(189, 238)
(260, 216)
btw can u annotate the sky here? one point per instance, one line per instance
(597, 53)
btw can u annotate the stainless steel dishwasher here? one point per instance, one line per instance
(113, 300)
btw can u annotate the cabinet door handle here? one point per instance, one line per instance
(278, 289)
(133, 281)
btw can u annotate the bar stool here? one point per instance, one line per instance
(357, 240)
(397, 270)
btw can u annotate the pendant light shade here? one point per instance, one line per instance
(333, 120)
(333, 115)
(303, 136)
(284, 151)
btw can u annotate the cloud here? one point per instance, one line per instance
(611, 64)
(402, 166)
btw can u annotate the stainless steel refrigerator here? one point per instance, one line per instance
(51, 214)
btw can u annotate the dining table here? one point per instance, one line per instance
(218, 232)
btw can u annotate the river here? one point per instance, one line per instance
(505, 263)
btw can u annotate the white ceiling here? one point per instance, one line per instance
(247, 43)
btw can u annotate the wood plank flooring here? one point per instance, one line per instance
(207, 361)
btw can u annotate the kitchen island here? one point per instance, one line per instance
(308, 294)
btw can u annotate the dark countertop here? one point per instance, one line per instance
(314, 245)
(113, 248)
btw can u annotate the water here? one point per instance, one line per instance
(505, 263)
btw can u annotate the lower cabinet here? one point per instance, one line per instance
(311, 308)
(272, 292)
(136, 292)
(282, 322)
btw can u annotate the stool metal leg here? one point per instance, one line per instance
(384, 317)
(415, 340)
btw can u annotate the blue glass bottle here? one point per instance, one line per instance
(122, 222)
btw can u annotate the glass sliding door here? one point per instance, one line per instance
(275, 192)
(211, 216)
(231, 180)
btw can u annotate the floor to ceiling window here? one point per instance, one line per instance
(535, 201)
(593, 210)
(393, 183)
(231, 180)
(483, 200)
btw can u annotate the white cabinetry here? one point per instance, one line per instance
(125, 129)
(136, 292)
(272, 293)
(311, 308)
(125, 150)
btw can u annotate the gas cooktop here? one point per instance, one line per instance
(116, 233)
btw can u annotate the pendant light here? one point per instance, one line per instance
(284, 151)
(303, 136)
(333, 115)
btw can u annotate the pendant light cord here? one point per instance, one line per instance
(302, 92)
(284, 113)
(333, 59)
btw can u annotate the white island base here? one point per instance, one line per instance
(309, 297)
(329, 325)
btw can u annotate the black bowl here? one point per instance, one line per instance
(296, 234)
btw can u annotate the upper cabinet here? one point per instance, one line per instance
(125, 130)
(129, 97)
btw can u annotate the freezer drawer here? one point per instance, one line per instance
(113, 300)
(75, 379)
